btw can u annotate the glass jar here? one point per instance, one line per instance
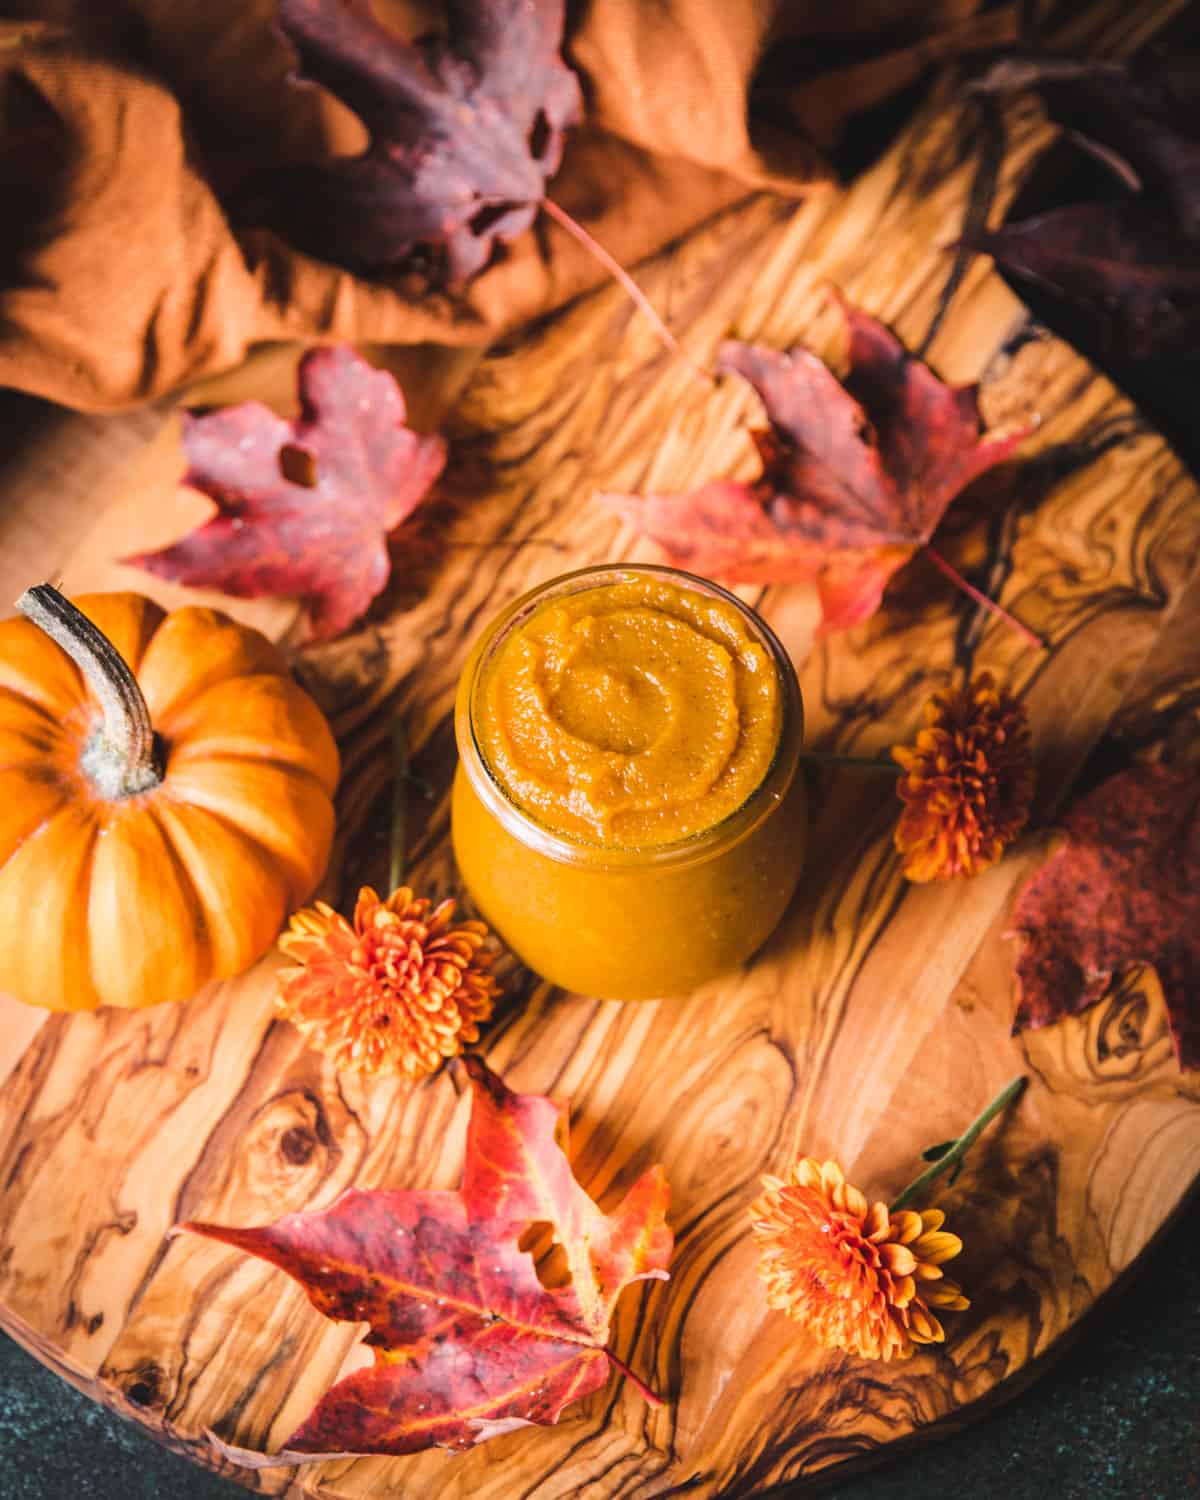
(619, 920)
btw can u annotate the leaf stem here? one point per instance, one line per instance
(622, 277)
(836, 758)
(470, 544)
(964, 1143)
(121, 757)
(400, 779)
(982, 599)
(652, 1398)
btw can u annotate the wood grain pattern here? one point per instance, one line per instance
(875, 1021)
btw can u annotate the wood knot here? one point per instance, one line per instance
(1119, 1042)
(144, 1386)
(297, 1145)
(1122, 1024)
(1128, 1033)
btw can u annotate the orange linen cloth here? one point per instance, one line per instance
(122, 277)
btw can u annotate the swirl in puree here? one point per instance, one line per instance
(633, 714)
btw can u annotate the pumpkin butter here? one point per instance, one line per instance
(627, 812)
(636, 713)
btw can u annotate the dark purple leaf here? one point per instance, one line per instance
(1124, 264)
(1142, 118)
(1129, 263)
(465, 130)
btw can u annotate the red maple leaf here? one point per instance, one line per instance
(465, 130)
(304, 507)
(855, 477)
(1122, 889)
(468, 1342)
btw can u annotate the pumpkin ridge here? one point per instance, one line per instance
(136, 861)
(298, 893)
(186, 701)
(202, 931)
(232, 825)
(190, 827)
(32, 768)
(10, 699)
(109, 612)
(86, 827)
(83, 892)
(290, 767)
(130, 889)
(46, 738)
(266, 717)
(32, 833)
(24, 653)
(184, 643)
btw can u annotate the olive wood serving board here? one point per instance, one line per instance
(877, 1018)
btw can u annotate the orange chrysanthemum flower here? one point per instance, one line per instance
(968, 782)
(398, 990)
(860, 1278)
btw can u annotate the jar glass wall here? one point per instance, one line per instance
(614, 905)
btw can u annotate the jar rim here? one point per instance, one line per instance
(561, 847)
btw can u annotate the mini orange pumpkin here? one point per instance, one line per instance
(165, 799)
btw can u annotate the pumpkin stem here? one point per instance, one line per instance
(121, 757)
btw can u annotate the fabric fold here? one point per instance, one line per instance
(124, 136)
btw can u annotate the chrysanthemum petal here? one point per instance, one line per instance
(968, 782)
(832, 1177)
(938, 1246)
(899, 1259)
(946, 1294)
(853, 1273)
(392, 993)
(923, 1327)
(907, 1225)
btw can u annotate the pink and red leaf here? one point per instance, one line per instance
(1123, 888)
(467, 1340)
(304, 507)
(855, 477)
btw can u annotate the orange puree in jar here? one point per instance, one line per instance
(633, 713)
(628, 812)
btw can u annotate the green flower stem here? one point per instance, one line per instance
(836, 758)
(400, 779)
(964, 1143)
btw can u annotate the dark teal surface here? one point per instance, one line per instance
(1118, 1418)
